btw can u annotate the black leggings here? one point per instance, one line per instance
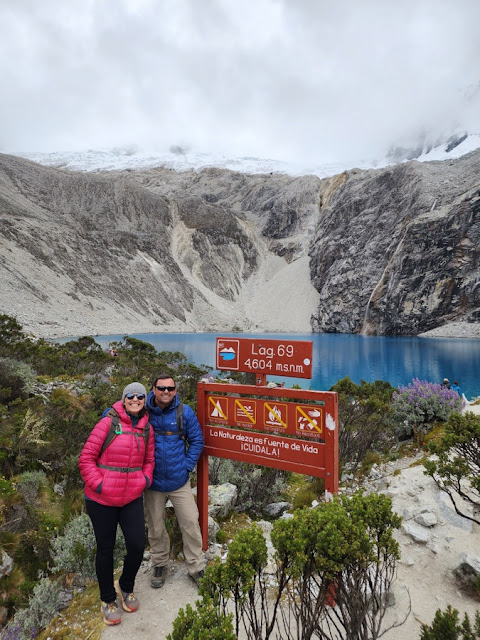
(105, 520)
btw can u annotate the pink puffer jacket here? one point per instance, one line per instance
(116, 487)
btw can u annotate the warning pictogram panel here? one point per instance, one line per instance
(245, 412)
(309, 421)
(218, 409)
(275, 415)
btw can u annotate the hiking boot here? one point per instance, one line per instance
(129, 601)
(196, 577)
(111, 613)
(158, 577)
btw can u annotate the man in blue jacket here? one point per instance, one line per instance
(176, 455)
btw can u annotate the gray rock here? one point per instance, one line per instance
(427, 519)
(467, 570)
(6, 565)
(275, 509)
(222, 499)
(449, 514)
(213, 529)
(417, 533)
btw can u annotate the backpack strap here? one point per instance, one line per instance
(116, 429)
(179, 416)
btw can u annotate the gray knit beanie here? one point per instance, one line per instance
(134, 387)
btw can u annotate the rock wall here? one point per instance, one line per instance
(391, 251)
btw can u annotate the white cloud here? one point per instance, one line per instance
(298, 80)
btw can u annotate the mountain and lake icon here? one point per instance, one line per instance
(227, 353)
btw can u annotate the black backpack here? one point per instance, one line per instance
(114, 430)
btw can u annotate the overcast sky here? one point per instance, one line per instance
(294, 80)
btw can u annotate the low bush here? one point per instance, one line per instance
(202, 623)
(342, 551)
(456, 465)
(74, 551)
(17, 379)
(30, 483)
(446, 626)
(42, 607)
(420, 404)
(364, 419)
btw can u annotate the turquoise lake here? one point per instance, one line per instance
(397, 360)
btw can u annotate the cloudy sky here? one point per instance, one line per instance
(294, 80)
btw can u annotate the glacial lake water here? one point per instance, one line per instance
(397, 360)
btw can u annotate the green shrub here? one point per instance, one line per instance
(17, 379)
(202, 623)
(42, 607)
(445, 626)
(456, 465)
(30, 483)
(343, 551)
(364, 419)
(74, 551)
(313, 489)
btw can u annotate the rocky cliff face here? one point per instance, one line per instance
(397, 251)
(393, 251)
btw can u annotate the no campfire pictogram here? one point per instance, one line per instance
(309, 420)
(275, 415)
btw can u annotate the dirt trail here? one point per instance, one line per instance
(158, 607)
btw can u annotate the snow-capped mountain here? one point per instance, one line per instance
(180, 159)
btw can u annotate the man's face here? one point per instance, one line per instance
(164, 392)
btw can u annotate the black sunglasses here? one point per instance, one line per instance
(165, 388)
(131, 396)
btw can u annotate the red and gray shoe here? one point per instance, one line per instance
(111, 613)
(129, 601)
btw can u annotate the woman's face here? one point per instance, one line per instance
(134, 402)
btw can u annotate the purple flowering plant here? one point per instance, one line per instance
(420, 403)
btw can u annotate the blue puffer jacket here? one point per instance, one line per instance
(172, 464)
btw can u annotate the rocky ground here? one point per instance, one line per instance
(455, 330)
(425, 580)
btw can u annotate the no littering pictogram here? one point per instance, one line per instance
(309, 420)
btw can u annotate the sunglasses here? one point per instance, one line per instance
(165, 388)
(131, 396)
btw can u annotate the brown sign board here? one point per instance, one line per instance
(289, 358)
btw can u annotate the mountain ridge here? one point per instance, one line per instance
(150, 250)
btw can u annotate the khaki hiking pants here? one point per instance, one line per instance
(186, 512)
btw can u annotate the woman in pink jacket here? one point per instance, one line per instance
(115, 478)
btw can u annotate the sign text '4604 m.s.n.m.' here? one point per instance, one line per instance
(277, 357)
